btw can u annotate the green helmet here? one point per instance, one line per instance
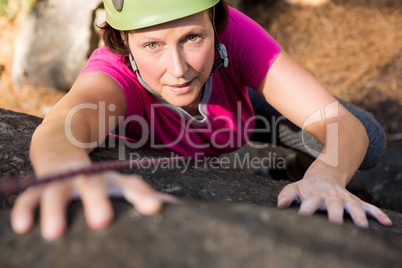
(136, 14)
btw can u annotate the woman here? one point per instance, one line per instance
(178, 77)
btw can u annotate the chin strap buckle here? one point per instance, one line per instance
(223, 54)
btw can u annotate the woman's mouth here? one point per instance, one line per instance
(181, 88)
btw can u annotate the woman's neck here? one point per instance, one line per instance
(192, 109)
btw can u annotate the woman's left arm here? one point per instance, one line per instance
(297, 95)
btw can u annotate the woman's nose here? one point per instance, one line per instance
(177, 65)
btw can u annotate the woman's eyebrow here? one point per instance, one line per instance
(150, 37)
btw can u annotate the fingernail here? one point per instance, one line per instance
(150, 205)
(100, 218)
(151, 202)
(281, 201)
(50, 230)
(388, 221)
(20, 225)
(363, 225)
(98, 214)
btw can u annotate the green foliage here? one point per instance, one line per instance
(10, 8)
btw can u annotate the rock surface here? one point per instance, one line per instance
(381, 185)
(227, 219)
(57, 38)
(201, 235)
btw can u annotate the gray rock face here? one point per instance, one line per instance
(381, 185)
(55, 43)
(227, 219)
(201, 235)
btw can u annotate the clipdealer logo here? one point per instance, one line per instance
(330, 112)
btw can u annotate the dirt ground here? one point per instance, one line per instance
(353, 47)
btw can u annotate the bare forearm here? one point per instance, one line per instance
(52, 150)
(346, 143)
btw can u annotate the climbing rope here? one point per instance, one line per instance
(17, 185)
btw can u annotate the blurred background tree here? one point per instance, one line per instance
(10, 8)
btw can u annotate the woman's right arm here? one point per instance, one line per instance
(57, 145)
(63, 139)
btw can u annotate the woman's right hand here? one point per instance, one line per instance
(94, 191)
(69, 132)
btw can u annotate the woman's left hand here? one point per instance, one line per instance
(321, 191)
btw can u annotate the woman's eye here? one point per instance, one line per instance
(151, 45)
(193, 38)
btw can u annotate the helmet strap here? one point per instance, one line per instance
(220, 48)
(135, 67)
(139, 77)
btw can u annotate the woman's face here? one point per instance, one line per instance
(175, 58)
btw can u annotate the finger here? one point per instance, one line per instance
(22, 213)
(335, 210)
(357, 213)
(97, 207)
(114, 190)
(53, 208)
(167, 198)
(143, 197)
(288, 194)
(377, 214)
(310, 205)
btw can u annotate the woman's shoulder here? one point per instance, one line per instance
(103, 60)
(241, 25)
(103, 54)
